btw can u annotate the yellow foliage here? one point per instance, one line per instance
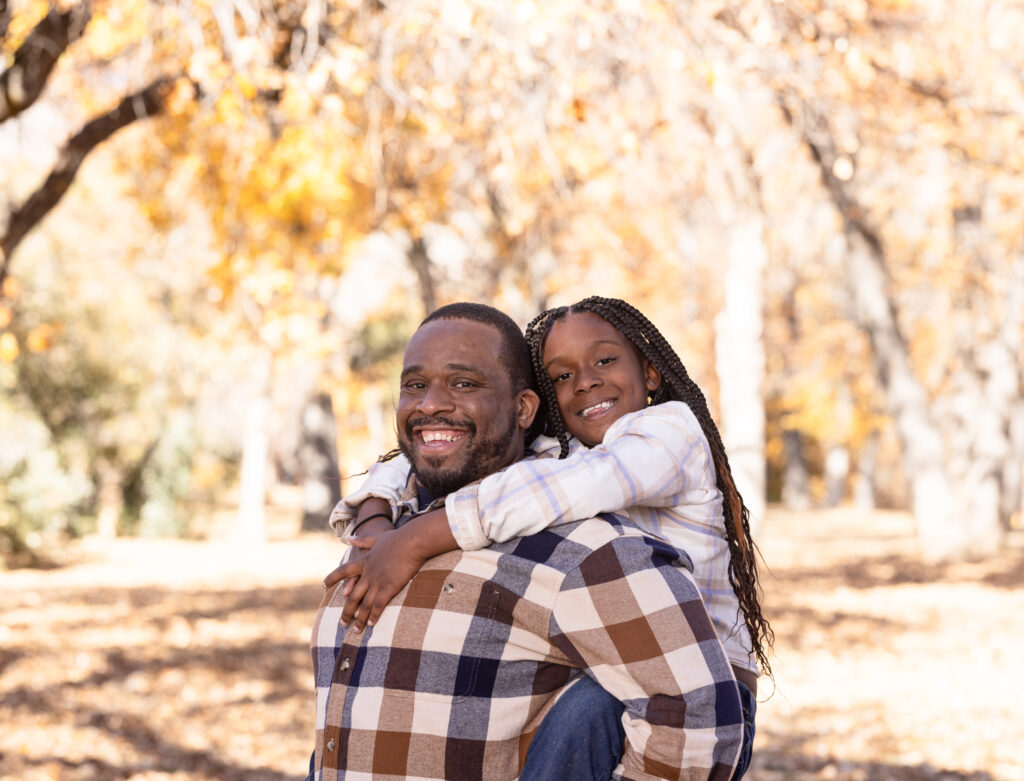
(40, 339)
(9, 350)
(21, 24)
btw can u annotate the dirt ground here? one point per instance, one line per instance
(188, 660)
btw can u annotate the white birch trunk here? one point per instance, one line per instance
(739, 348)
(939, 532)
(251, 522)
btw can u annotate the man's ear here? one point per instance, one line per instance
(527, 404)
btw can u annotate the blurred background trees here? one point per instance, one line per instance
(220, 221)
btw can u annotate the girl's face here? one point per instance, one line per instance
(597, 373)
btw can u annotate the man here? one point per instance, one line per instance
(460, 669)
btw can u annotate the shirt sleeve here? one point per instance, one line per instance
(632, 618)
(386, 480)
(648, 457)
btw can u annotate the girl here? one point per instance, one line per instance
(634, 436)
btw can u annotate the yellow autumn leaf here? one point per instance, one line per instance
(40, 338)
(9, 350)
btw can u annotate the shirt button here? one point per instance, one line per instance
(345, 664)
(448, 588)
(330, 745)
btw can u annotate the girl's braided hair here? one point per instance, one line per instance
(676, 385)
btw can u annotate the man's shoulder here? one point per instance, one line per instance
(566, 546)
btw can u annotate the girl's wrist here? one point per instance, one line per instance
(372, 524)
(429, 535)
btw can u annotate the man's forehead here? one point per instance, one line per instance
(455, 341)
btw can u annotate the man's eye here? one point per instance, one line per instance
(414, 386)
(464, 384)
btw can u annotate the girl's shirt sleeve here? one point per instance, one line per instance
(386, 480)
(656, 457)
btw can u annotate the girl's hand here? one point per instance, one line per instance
(343, 571)
(387, 563)
(374, 526)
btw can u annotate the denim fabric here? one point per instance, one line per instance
(749, 703)
(581, 737)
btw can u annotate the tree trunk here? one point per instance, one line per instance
(946, 529)
(22, 83)
(1012, 483)
(740, 363)
(796, 493)
(864, 495)
(318, 462)
(110, 501)
(420, 262)
(251, 522)
(837, 473)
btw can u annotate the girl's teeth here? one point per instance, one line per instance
(596, 408)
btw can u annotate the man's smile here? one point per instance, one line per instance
(436, 440)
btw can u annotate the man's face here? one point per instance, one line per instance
(458, 418)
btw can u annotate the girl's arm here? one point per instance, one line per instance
(648, 457)
(386, 481)
(652, 457)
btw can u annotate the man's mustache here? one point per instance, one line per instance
(438, 421)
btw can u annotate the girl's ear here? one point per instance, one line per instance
(652, 374)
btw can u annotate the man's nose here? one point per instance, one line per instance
(437, 398)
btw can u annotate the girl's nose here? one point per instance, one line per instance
(586, 381)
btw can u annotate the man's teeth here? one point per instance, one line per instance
(441, 436)
(597, 408)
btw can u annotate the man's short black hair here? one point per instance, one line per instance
(515, 352)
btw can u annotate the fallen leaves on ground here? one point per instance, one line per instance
(149, 660)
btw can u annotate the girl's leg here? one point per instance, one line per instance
(580, 738)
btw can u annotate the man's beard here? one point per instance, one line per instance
(479, 458)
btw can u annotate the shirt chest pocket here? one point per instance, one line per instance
(449, 636)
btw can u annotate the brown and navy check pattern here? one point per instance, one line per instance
(463, 665)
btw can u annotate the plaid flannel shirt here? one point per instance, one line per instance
(654, 466)
(462, 666)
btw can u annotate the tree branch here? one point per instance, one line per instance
(144, 103)
(5, 17)
(23, 82)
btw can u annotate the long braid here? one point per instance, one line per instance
(536, 334)
(676, 385)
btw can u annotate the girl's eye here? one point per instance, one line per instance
(606, 361)
(560, 377)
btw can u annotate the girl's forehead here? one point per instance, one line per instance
(578, 329)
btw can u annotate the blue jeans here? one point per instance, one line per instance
(582, 736)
